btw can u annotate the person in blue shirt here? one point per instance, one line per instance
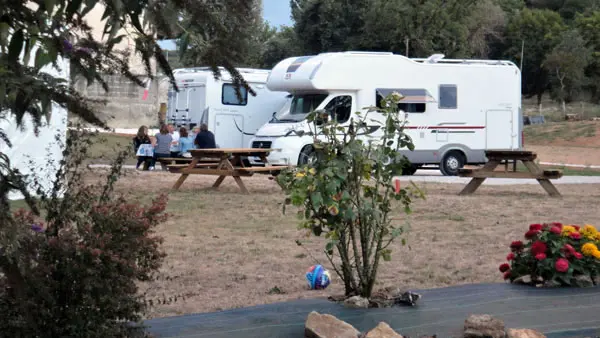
(186, 142)
(205, 139)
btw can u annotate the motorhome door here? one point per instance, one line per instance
(226, 130)
(499, 129)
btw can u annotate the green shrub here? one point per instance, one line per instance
(347, 194)
(71, 269)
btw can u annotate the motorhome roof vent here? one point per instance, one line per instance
(434, 58)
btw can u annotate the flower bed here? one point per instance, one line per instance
(555, 255)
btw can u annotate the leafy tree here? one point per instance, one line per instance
(566, 64)
(486, 27)
(430, 26)
(347, 194)
(328, 25)
(282, 45)
(540, 31)
(589, 28)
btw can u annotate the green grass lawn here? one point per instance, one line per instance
(552, 131)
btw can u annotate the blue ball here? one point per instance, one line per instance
(318, 277)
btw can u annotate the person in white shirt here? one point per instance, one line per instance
(175, 149)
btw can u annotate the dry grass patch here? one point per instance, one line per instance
(227, 250)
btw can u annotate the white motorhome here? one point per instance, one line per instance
(456, 109)
(204, 99)
(40, 153)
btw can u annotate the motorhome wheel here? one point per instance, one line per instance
(452, 161)
(308, 156)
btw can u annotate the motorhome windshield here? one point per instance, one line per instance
(299, 107)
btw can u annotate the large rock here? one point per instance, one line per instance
(484, 326)
(523, 333)
(357, 302)
(382, 330)
(583, 281)
(327, 326)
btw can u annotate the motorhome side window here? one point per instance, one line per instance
(340, 108)
(229, 97)
(407, 107)
(448, 97)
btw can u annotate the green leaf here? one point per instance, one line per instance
(16, 46)
(316, 199)
(41, 58)
(330, 246)
(386, 255)
(72, 8)
(4, 30)
(397, 232)
(49, 4)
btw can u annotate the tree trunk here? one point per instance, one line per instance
(539, 101)
(564, 107)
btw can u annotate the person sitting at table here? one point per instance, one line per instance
(205, 138)
(186, 143)
(143, 156)
(163, 145)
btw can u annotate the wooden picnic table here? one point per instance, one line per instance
(497, 157)
(226, 162)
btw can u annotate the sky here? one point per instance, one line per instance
(276, 12)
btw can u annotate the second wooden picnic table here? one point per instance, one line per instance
(227, 162)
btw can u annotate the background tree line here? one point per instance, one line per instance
(560, 39)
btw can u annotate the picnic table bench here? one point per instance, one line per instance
(497, 157)
(223, 162)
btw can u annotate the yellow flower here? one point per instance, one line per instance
(589, 232)
(312, 171)
(588, 249)
(596, 254)
(299, 175)
(333, 210)
(567, 230)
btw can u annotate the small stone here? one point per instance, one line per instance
(582, 281)
(327, 326)
(551, 284)
(596, 280)
(484, 326)
(382, 330)
(523, 280)
(524, 333)
(357, 302)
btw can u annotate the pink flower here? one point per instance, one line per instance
(538, 247)
(531, 234)
(561, 265)
(575, 235)
(535, 227)
(504, 267)
(555, 230)
(516, 246)
(507, 274)
(578, 255)
(510, 256)
(540, 256)
(557, 224)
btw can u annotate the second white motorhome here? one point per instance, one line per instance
(456, 109)
(204, 99)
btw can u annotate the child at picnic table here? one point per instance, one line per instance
(186, 143)
(142, 138)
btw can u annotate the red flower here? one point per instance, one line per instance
(555, 230)
(504, 267)
(575, 235)
(561, 265)
(538, 247)
(510, 256)
(557, 224)
(516, 246)
(531, 234)
(535, 227)
(568, 248)
(578, 255)
(540, 256)
(507, 274)
(577, 227)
